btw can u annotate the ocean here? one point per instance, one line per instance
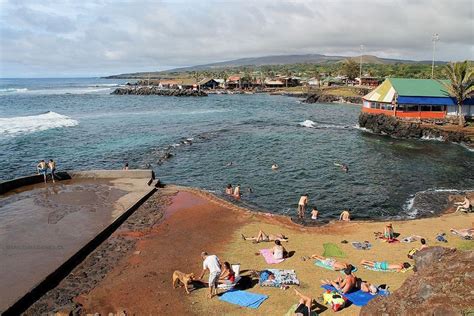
(192, 141)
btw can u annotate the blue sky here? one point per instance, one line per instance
(94, 38)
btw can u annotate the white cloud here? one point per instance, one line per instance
(51, 38)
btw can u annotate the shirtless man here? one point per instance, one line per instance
(229, 190)
(345, 215)
(264, 237)
(343, 285)
(42, 168)
(464, 205)
(237, 192)
(302, 205)
(314, 213)
(52, 167)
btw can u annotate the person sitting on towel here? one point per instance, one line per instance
(279, 252)
(227, 274)
(385, 266)
(345, 285)
(330, 262)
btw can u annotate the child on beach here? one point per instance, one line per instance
(314, 213)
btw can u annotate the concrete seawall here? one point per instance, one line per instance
(141, 179)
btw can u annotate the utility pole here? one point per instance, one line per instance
(435, 38)
(360, 67)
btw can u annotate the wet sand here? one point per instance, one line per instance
(41, 226)
(196, 221)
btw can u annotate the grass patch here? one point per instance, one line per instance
(466, 245)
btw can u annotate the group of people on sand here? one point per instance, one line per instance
(218, 273)
(42, 169)
(303, 203)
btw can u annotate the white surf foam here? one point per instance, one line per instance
(13, 90)
(311, 124)
(439, 139)
(12, 126)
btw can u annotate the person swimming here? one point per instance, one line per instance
(275, 166)
(229, 190)
(314, 213)
(343, 166)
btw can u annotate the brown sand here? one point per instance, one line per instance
(197, 221)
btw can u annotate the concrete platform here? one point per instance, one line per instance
(44, 225)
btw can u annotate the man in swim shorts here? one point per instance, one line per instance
(52, 167)
(302, 205)
(42, 169)
(212, 264)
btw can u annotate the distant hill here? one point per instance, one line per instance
(274, 60)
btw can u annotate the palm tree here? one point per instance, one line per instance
(460, 85)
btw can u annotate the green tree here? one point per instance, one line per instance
(350, 69)
(461, 84)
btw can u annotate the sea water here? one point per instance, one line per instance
(211, 141)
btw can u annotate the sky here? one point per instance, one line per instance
(69, 38)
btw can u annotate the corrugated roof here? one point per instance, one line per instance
(418, 87)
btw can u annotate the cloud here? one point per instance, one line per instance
(51, 38)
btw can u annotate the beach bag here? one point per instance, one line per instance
(334, 299)
(411, 253)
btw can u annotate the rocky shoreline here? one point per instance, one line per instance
(66, 298)
(154, 90)
(388, 125)
(329, 98)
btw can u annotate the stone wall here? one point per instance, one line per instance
(398, 128)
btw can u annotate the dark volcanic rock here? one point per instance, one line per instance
(443, 284)
(329, 98)
(389, 125)
(154, 90)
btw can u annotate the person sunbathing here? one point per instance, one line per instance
(343, 285)
(262, 237)
(366, 287)
(463, 206)
(385, 266)
(465, 232)
(227, 274)
(330, 262)
(304, 304)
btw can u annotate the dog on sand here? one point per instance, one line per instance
(181, 278)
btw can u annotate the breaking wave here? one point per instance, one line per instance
(13, 90)
(12, 126)
(321, 125)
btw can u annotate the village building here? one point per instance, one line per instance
(269, 83)
(233, 82)
(368, 81)
(414, 98)
(208, 83)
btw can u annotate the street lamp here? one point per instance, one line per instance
(435, 38)
(360, 67)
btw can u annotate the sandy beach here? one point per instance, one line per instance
(191, 221)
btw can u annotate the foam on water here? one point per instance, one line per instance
(13, 126)
(13, 90)
(320, 125)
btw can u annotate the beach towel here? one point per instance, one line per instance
(358, 298)
(268, 255)
(361, 245)
(332, 250)
(291, 311)
(381, 270)
(243, 298)
(282, 277)
(322, 264)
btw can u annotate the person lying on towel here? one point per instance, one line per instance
(385, 266)
(330, 262)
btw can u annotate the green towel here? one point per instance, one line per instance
(332, 250)
(291, 311)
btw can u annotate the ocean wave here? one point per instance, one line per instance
(13, 126)
(321, 125)
(13, 90)
(439, 139)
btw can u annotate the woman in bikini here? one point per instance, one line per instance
(262, 237)
(385, 266)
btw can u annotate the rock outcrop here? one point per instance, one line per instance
(443, 284)
(154, 90)
(389, 125)
(330, 98)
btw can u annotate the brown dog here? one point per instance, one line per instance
(183, 279)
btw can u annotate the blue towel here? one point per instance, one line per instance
(357, 298)
(242, 298)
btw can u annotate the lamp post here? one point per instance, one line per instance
(435, 38)
(360, 66)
